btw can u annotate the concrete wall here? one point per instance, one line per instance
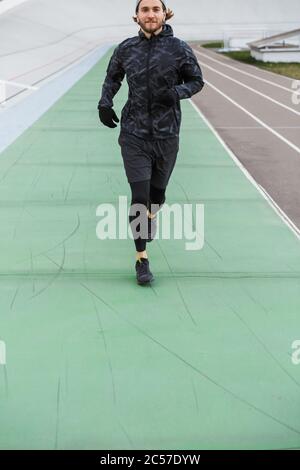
(39, 37)
(214, 18)
(276, 56)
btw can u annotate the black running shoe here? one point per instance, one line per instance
(152, 228)
(143, 273)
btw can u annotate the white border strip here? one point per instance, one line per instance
(260, 189)
(6, 5)
(17, 118)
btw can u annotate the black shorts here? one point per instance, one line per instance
(148, 159)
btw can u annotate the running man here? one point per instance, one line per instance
(161, 70)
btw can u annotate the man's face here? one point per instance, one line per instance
(150, 15)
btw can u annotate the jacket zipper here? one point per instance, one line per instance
(148, 88)
(174, 112)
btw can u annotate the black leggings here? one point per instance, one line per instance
(144, 193)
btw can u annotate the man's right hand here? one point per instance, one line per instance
(107, 116)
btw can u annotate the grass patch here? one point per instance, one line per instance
(214, 45)
(291, 69)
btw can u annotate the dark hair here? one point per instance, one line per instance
(138, 5)
(169, 15)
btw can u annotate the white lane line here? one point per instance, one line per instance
(255, 127)
(262, 123)
(251, 89)
(290, 90)
(261, 190)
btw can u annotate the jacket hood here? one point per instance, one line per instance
(166, 31)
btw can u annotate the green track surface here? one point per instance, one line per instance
(200, 360)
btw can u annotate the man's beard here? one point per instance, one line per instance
(150, 27)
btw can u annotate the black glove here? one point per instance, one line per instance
(168, 97)
(107, 116)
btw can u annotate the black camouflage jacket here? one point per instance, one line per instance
(151, 66)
